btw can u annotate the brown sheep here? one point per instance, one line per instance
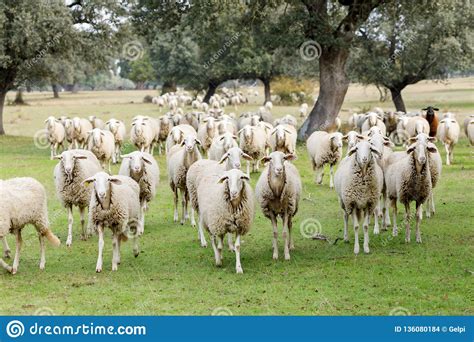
(432, 120)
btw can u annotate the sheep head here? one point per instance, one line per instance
(102, 187)
(189, 142)
(68, 162)
(364, 154)
(232, 156)
(234, 182)
(277, 162)
(137, 162)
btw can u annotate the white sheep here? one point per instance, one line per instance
(278, 192)
(352, 138)
(303, 110)
(355, 122)
(22, 202)
(470, 131)
(373, 119)
(179, 159)
(73, 168)
(114, 204)
(226, 206)
(358, 182)
(324, 148)
(102, 144)
(466, 124)
(287, 120)
(416, 125)
(177, 135)
(166, 124)
(199, 169)
(253, 141)
(142, 133)
(56, 134)
(407, 180)
(268, 106)
(283, 139)
(69, 131)
(220, 145)
(143, 169)
(81, 129)
(206, 132)
(96, 122)
(117, 128)
(448, 134)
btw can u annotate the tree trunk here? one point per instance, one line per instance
(19, 97)
(3, 95)
(398, 99)
(267, 92)
(55, 90)
(211, 90)
(333, 85)
(168, 86)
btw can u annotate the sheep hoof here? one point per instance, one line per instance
(366, 250)
(83, 237)
(13, 270)
(356, 250)
(418, 239)
(292, 247)
(287, 256)
(204, 245)
(136, 254)
(98, 269)
(114, 268)
(42, 267)
(407, 240)
(239, 270)
(376, 231)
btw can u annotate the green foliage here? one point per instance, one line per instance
(291, 90)
(141, 71)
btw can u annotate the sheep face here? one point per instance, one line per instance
(352, 139)
(50, 121)
(68, 162)
(336, 141)
(113, 125)
(97, 135)
(177, 135)
(234, 181)
(227, 141)
(189, 143)
(277, 162)
(430, 111)
(102, 187)
(137, 163)
(364, 152)
(419, 151)
(232, 156)
(372, 119)
(447, 123)
(76, 123)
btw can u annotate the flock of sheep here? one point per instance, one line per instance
(370, 178)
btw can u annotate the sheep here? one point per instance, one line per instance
(278, 192)
(435, 164)
(69, 132)
(226, 205)
(73, 168)
(324, 148)
(248, 119)
(142, 133)
(102, 144)
(268, 106)
(265, 114)
(143, 169)
(466, 123)
(22, 202)
(407, 180)
(303, 110)
(253, 141)
(220, 145)
(337, 124)
(81, 128)
(179, 159)
(390, 119)
(117, 128)
(432, 120)
(226, 124)
(283, 139)
(202, 168)
(166, 124)
(448, 134)
(373, 119)
(358, 182)
(56, 134)
(96, 122)
(115, 204)
(355, 122)
(470, 131)
(352, 138)
(190, 118)
(416, 125)
(206, 132)
(287, 120)
(177, 135)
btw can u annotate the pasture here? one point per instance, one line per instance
(175, 276)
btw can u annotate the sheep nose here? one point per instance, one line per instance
(422, 160)
(365, 159)
(279, 170)
(101, 194)
(233, 194)
(237, 166)
(68, 169)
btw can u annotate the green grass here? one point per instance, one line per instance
(174, 275)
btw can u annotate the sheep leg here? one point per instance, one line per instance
(136, 248)
(346, 221)
(376, 219)
(258, 165)
(19, 243)
(366, 232)
(216, 251)
(175, 199)
(285, 237)
(385, 212)
(290, 237)
(355, 219)
(115, 256)
(331, 173)
(432, 203)
(275, 236)
(238, 266)
(52, 152)
(418, 222)
(83, 225)
(220, 246)
(446, 147)
(319, 175)
(395, 212)
(5, 265)
(407, 222)
(427, 206)
(193, 220)
(6, 248)
(201, 232)
(248, 167)
(70, 221)
(100, 230)
(183, 207)
(141, 226)
(230, 242)
(42, 252)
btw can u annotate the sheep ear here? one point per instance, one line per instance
(146, 159)
(107, 122)
(125, 156)
(352, 150)
(412, 140)
(240, 131)
(289, 156)
(80, 156)
(198, 142)
(360, 136)
(411, 148)
(376, 152)
(115, 180)
(102, 133)
(234, 137)
(246, 156)
(287, 131)
(274, 131)
(88, 181)
(265, 159)
(222, 179)
(245, 176)
(182, 143)
(224, 157)
(434, 108)
(388, 143)
(432, 149)
(425, 108)
(345, 137)
(57, 156)
(432, 139)
(45, 121)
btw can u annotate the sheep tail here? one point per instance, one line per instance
(53, 239)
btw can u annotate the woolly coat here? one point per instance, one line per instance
(321, 151)
(147, 179)
(255, 145)
(287, 201)
(216, 211)
(179, 162)
(71, 191)
(106, 149)
(196, 172)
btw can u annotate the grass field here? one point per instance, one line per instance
(173, 275)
